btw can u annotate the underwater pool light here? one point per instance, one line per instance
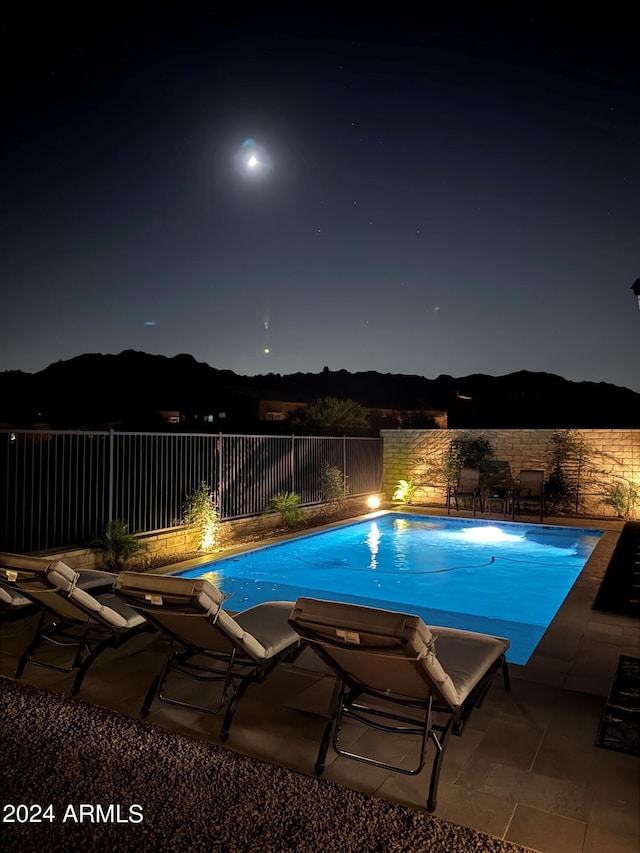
(488, 534)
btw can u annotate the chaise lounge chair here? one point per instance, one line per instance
(79, 611)
(207, 643)
(396, 675)
(467, 488)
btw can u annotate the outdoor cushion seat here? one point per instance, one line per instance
(397, 675)
(207, 644)
(79, 610)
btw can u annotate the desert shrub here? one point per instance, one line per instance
(200, 512)
(333, 486)
(570, 467)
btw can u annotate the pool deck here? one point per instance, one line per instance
(526, 768)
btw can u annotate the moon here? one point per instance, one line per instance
(252, 160)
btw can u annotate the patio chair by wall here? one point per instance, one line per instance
(530, 490)
(79, 611)
(467, 488)
(398, 676)
(209, 645)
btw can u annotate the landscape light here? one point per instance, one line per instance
(373, 502)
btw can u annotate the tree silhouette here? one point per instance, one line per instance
(330, 416)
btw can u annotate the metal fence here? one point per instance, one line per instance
(59, 488)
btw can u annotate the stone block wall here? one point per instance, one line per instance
(182, 540)
(414, 454)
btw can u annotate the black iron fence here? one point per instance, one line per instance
(59, 488)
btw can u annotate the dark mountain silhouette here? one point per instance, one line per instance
(128, 389)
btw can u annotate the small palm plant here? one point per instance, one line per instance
(288, 505)
(404, 492)
(117, 544)
(622, 496)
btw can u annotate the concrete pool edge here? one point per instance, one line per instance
(572, 648)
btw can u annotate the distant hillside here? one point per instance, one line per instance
(93, 390)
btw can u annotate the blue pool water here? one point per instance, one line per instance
(505, 579)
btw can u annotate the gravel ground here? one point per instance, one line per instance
(85, 778)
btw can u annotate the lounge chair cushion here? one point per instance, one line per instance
(67, 579)
(22, 561)
(158, 588)
(77, 602)
(105, 606)
(261, 631)
(12, 597)
(466, 656)
(89, 579)
(265, 629)
(408, 658)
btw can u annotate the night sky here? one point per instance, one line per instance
(455, 193)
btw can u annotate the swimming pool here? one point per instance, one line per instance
(506, 579)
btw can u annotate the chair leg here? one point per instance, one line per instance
(337, 704)
(33, 645)
(257, 674)
(235, 698)
(156, 685)
(86, 663)
(440, 744)
(505, 675)
(324, 746)
(151, 695)
(53, 633)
